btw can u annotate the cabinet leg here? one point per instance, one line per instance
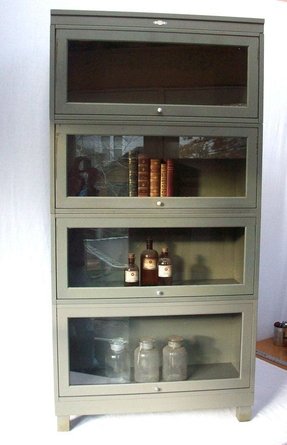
(244, 413)
(63, 423)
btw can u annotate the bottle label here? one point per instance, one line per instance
(149, 264)
(131, 276)
(165, 271)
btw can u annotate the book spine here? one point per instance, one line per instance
(154, 177)
(143, 175)
(163, 179)
(169, 177)
(133, 174)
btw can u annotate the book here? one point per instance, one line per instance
(155, 177)
(169, 177)
(133, 173)
(163, 179)
(143, 175)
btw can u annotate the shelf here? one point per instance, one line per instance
(211, 371)
(80, 281)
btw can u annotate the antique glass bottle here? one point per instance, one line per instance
(146, 361)
(149, 260)
(164, 268)
(174, 366)
(131, 272)
(118, 362)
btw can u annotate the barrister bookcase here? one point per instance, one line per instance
(187, 91)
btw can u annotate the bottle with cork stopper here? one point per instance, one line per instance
(164, 268)
(131, 277)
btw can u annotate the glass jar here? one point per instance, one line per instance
(146, 361)
(174, 366)
(118, 361)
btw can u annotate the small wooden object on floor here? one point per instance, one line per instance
(277, 355)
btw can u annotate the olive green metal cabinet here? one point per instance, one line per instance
(178, 98)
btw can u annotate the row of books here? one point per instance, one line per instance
(150, 176)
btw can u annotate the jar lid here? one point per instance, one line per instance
(175, 341)
(117, 344)
(147, 343)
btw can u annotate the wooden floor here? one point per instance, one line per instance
(277, 355)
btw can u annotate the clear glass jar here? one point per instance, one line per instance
(146, 361)
(174, 357)
(118, 361)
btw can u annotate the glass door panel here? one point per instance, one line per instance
(210, 166)
(210, 258)
(92, 343)
(103, 353)
(97, 257)
(140, 72)
(184, 74)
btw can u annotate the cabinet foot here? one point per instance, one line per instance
(244, 413)
(63, 423)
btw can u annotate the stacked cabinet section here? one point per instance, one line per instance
(156, 140)
(210, 256)
(212, 337)
(216, 166)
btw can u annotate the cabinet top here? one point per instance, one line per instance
(162, 20)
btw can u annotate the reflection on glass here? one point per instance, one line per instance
(98, 257)
(194, 166)
(98, 165)
(136, 72)
(211, 344)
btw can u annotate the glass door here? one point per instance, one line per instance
(165, 74)
(129, 350)
(209, 256)
(174, 167)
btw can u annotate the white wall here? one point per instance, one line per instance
(24, 175)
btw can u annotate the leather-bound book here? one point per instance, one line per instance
(169, 177)
(163, 179)
(143, 175)
(155, 177)
(133, 173)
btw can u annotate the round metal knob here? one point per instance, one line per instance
(159, 110)
(159, 203)
(159, 292)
